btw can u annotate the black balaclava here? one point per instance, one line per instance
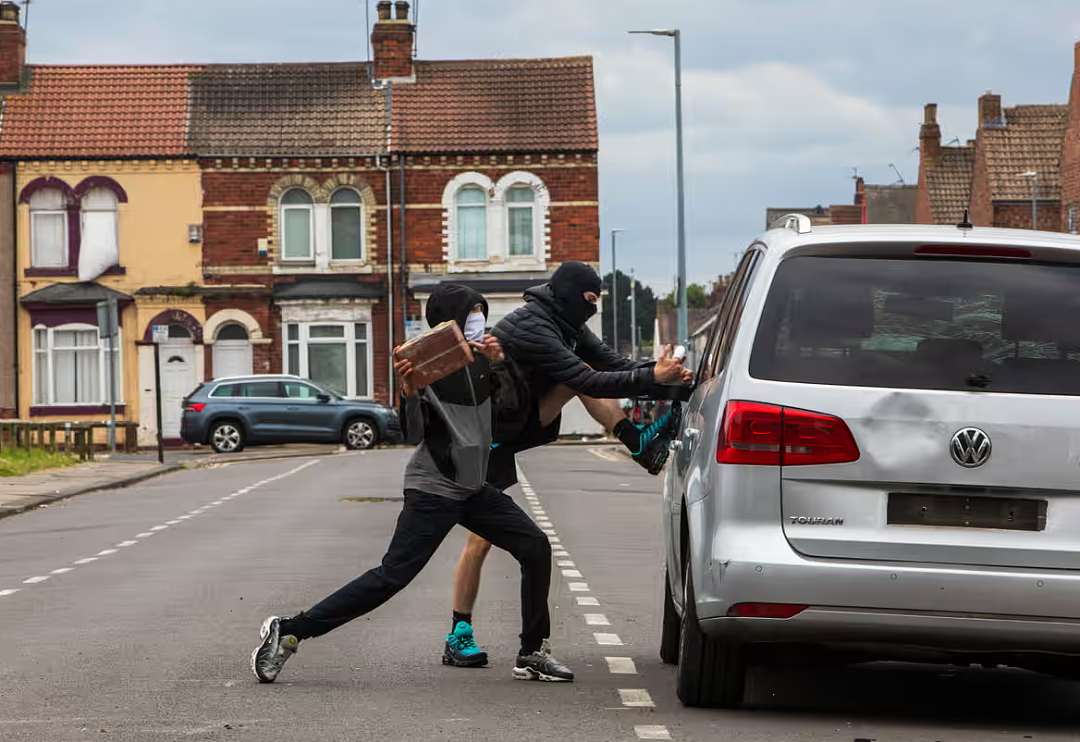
(451, 301)
(569, 285)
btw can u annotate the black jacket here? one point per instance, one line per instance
(550, 352)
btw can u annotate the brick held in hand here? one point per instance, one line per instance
(437, 353)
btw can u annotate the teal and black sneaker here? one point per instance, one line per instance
(461, 649)
(656, 439)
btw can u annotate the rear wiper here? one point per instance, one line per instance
(979, 381)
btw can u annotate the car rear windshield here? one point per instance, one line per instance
(922, 324)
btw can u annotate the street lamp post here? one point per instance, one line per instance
(680, 289)
(1034, 177)
(633, 316)
(614, 293)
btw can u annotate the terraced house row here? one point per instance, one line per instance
(275, 217)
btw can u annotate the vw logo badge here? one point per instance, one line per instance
(970, 447)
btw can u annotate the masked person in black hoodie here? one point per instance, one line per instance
(452, 421)
(562, 358)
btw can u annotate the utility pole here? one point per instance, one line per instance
(633, 317)
(1034, 177)
(614, 293)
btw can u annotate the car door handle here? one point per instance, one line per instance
(692, 433)
(676, 445)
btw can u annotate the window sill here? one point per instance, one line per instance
(116, 270)
(72, 410)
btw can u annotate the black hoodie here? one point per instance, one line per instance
(451, 419)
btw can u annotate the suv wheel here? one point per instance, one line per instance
(669, 633)
(712, 672)
(227, 437)
(360, 435)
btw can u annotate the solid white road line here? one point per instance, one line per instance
(621, 666)
(608, 640)
(636, 697)
(597, 619)
(587, 600)
(652, 731)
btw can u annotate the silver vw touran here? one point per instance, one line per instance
(881, 457)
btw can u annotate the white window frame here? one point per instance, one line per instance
(283, 208)
(531, 206)
(65, 239)
(486, 208)
(361, 206)
(46, 356)
(304, 341)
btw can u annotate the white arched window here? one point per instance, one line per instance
(297, 225)
(471, 205)
(346, 225)
(71, 366)
(521, 220)
(48, 229)
(99, 244)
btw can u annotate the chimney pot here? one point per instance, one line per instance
(392, 42)
(930, 113)
(384, 9)
(9, 11)
(401, 8)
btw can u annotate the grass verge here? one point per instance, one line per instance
(19, 462)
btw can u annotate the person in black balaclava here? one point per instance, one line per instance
(561, 358)
(452, 421)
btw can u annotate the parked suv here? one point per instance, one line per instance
(232, 413)
(881, 457)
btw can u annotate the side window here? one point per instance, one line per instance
(261, 389)
(728, 323)
(297, 390)
(708, 358)
(225, 390)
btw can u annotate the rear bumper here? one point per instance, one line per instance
(905, 604)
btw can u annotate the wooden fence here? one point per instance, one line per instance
(75, 439)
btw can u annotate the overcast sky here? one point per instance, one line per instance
(782, 98)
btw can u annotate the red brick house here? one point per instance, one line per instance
(333, 197)
(991, 175)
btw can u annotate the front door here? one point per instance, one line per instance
(178, 379)
(232, 352)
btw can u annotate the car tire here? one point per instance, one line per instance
(227, 436)
(671, 627)
(712, 672)
(360, 435)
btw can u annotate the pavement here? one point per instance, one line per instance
(131, 615)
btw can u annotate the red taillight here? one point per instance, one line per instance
(974, 251)
(195, 407)
(765, 610)
(768, 435)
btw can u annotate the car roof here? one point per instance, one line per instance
(257, 377)
(799, 233)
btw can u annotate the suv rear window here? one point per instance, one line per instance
(922, 324)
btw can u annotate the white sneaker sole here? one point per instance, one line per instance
(527, 673)
(264, 631)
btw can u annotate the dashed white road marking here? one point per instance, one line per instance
(621, 666)
(61, 571)
(578, 587)
(127, 543)
(5, 593)
(158, 528)
(185, 517)
(571, 573)
(554, 540)
(145, 534)
(565, 563)
(608, 640)
(35, 580)
(635, 698)
(587, 600)
(171, 522)
(597, 619)
(652, 731)
(106, 552)
(548, 531)
(87, 560)
(560, 553)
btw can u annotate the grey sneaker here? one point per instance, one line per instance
(275, 650)
(542, 665)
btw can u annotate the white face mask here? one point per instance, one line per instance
(474, 327)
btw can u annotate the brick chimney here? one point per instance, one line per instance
(990, 115)
(12, 45)
(929, 134)
(392, 41)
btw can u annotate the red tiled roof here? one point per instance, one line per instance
(516, 105)
(948, 183)
(98, 112)
(1031, 139)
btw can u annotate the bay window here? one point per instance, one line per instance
(71, 366)
(336, 355)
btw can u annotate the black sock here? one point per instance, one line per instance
(459, 617)
(629, 434)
